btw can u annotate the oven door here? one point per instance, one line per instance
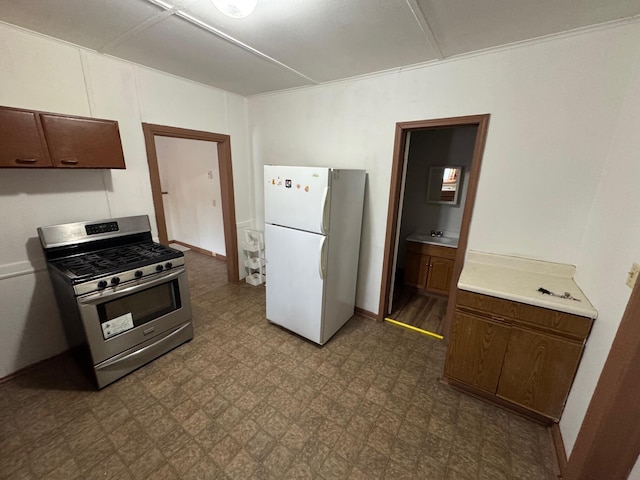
(119, 318)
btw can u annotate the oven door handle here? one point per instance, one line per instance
(101, 297)
(120, 358)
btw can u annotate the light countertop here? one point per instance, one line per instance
(445, 241)
(518, 279)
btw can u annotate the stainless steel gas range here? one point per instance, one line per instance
(124, 299)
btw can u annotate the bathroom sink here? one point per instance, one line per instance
(426, 238)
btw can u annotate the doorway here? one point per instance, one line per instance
(223, 143)
(395, 233)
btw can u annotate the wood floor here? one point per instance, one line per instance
(422, 311)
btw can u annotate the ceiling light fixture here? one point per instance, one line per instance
(236, 8)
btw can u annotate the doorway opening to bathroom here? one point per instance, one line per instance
(435, 171)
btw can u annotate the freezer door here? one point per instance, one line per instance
(296, 263)
(297, 197)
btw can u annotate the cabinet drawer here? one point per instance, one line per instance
(432, 250)
(566, 324)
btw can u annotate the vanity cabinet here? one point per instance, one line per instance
(429, 268)
(39, 139)
(519, 355)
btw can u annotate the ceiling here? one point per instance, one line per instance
(292, 43)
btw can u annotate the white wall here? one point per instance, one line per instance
(553, 109)
(611, 243)
(190, 175)
(564, 113)
(635, 472)
(43, 74)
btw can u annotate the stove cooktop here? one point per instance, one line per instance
(113, 260)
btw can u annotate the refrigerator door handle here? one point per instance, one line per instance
(325, 211)
(323, 258)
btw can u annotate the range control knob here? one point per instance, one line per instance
(168, 265)
(102, 284)
(115, 280)
(159, 268)
(138, 273)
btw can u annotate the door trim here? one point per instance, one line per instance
(226, 186)
(402, 129)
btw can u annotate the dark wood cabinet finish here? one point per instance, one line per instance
(519, 355)
(429, 268)
(76, 142)
(440, 272)
(21, 141)
(539, 318)
(416, 268)
(477, 349)
(39, 139)
(538, 371)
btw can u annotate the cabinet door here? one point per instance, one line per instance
(440, 272)
(476, 350)
(538, 371)
(416, 268)
(76, 142)
(21, 141)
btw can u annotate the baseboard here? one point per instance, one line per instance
(200, 250)
(365, 313)
(558, 445)
(28, 368)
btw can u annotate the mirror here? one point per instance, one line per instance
(444, 185)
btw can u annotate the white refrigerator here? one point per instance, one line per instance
(313, 219)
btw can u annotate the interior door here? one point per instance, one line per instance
(295, 280)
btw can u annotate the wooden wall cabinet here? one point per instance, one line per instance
(429, 268)
(22, 142)
(518, 355)
(39, 139)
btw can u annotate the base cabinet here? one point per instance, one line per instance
(519, 355)
(484, 344)
(538, 371)
(429, 268)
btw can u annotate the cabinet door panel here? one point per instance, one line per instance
(440, 272)
(476, 350)
(83, 142)
(416, 269)
(21, 142)
(538, 371)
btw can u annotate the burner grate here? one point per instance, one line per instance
(114, 259)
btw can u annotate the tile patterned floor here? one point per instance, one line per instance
(248, 400)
